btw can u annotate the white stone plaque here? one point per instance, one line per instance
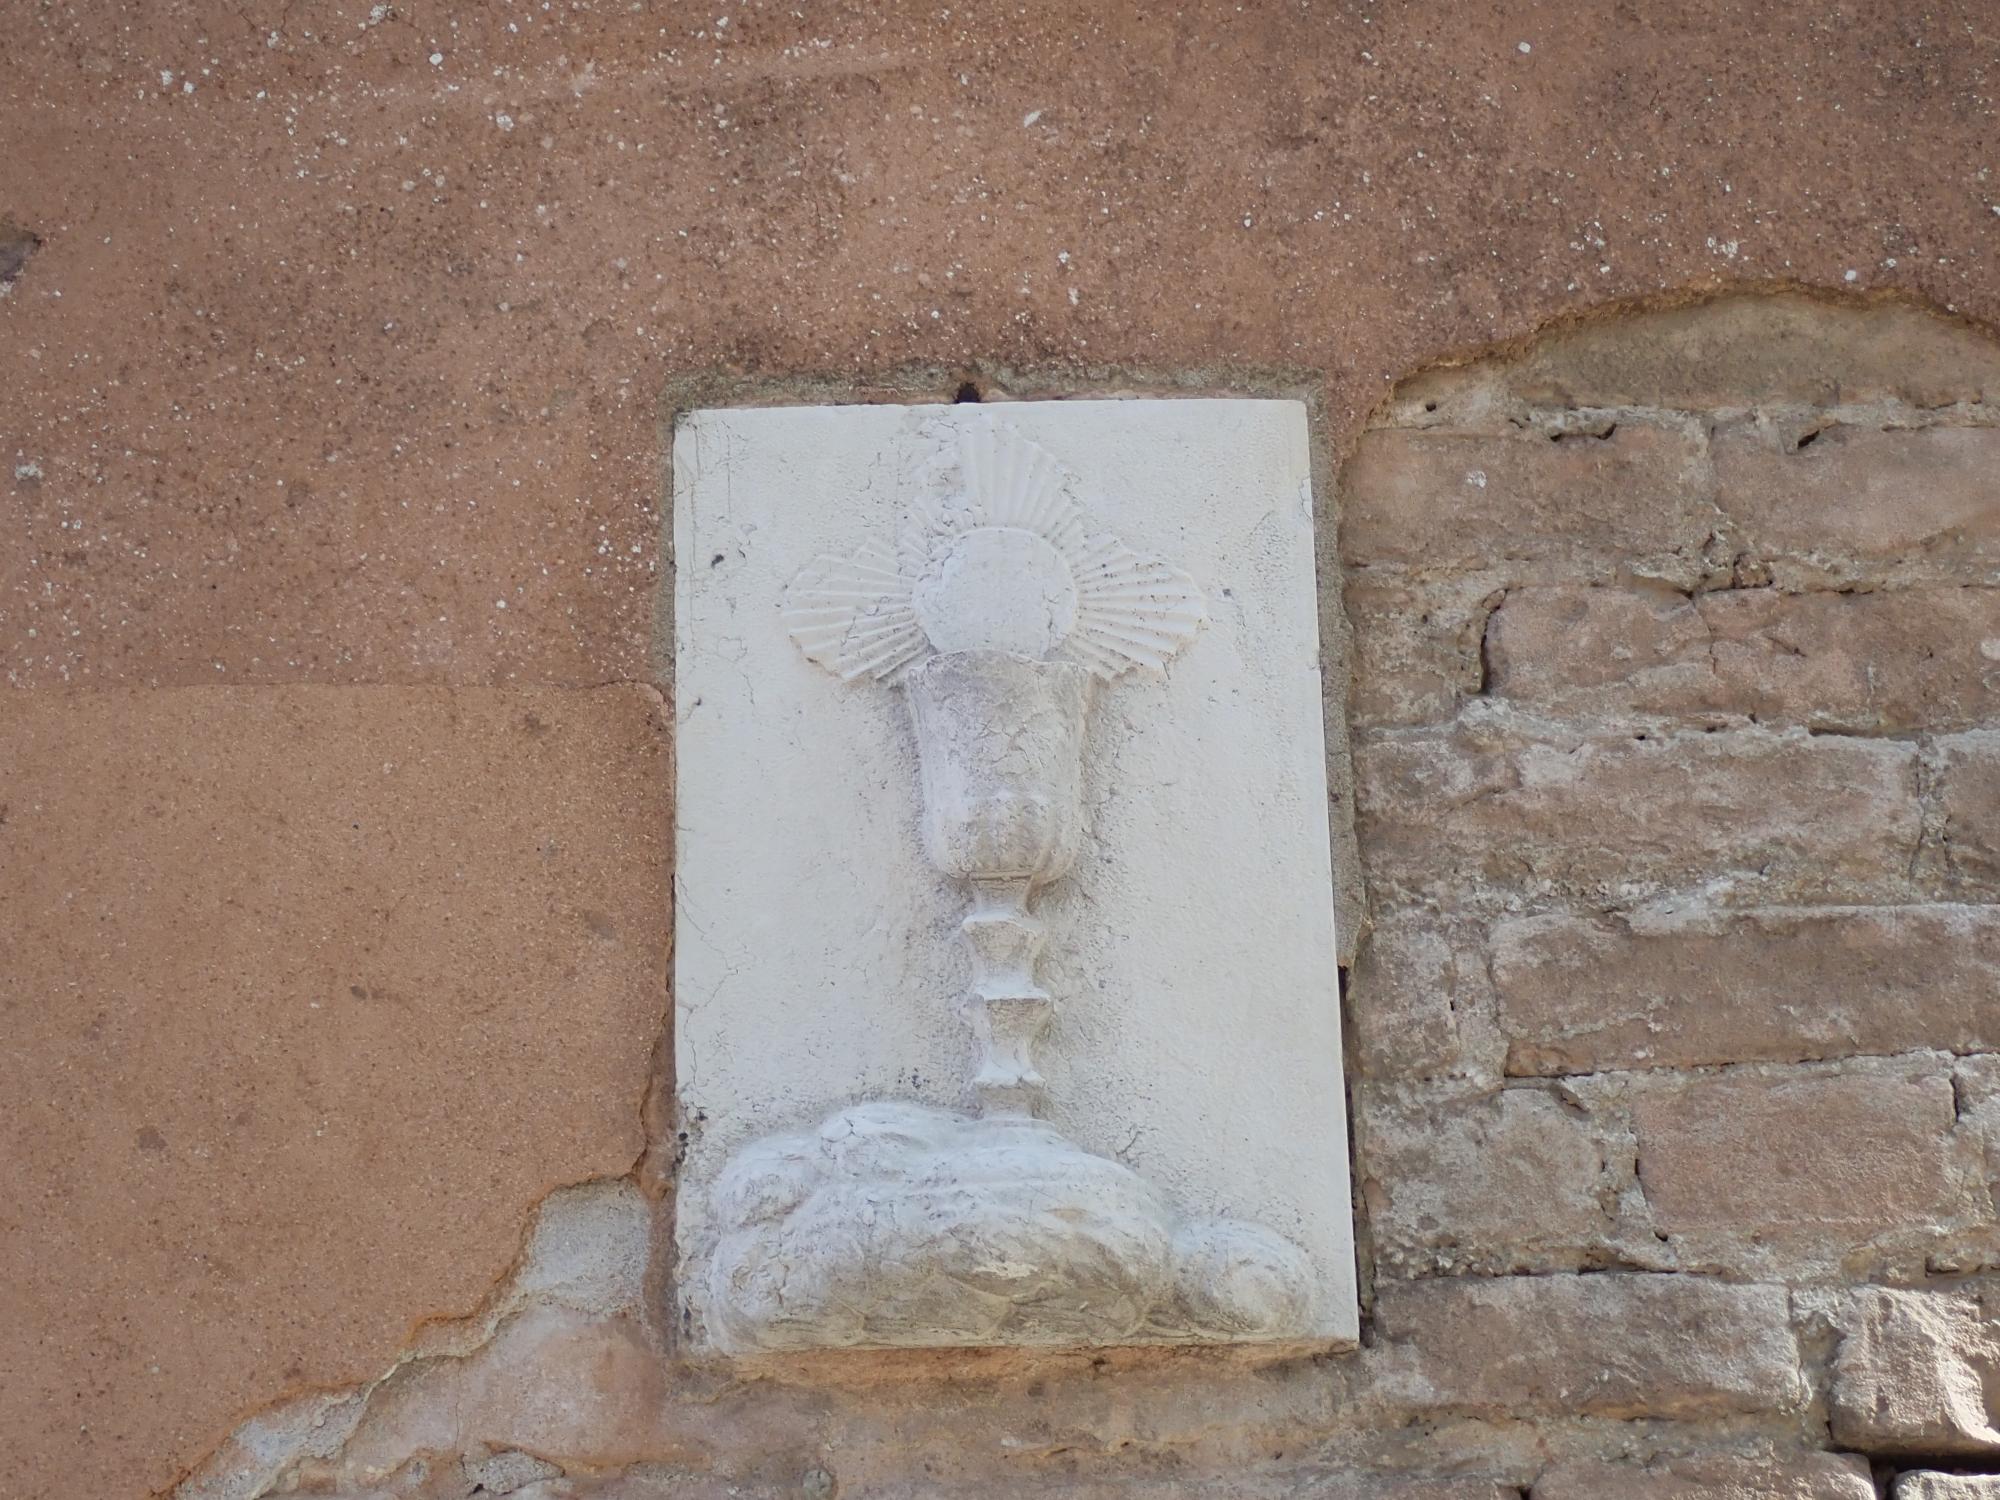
(1006, 1009)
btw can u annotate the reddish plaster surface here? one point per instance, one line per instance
(310, 995)
(340, 360)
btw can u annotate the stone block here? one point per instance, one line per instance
(1865, 505)
(1802, 1168)
(1712, 1476)
(1429, 500)
(1931, 1485)
(1417, 646)
(1420, 998)
(1482, 1183)
(1702, 985)
(1601, 650)
(1969, 801)
(310, 995)
(1616, 1344)
(1886, 662)
(1916, 1372)
(1977, 1080)
(1873, 663)
(1778, 817)
(1758, 351)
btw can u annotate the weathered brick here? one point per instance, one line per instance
(1599, 650)
(1930, 1485)
(1416, 646)
(1579, 995)
(1782, 816)
(1969, 799)
(1616, 1344)
(1758, 351)
(1445, 500)
(1712, 1476)
(1977, 1080)
(1859, 503)
(1459, 1182)
(1917, 1372)
(1804, 1167)
(1916, 658)
(1421, 999)
(1923, 657)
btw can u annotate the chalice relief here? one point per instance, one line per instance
(999, 613)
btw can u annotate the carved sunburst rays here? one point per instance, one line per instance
(999, 555)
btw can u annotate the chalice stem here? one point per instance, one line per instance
(1009, 1009)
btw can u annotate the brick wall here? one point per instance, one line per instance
(1676, 730)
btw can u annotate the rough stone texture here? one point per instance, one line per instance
(1874, 663)
(1718, 1476)
(1933, 1486)
(1698, 986)
(1832, 1161)
(1977, 1080)
(1909, 503)
(268, 947)
(1779, 351)
(1778, 816)
(1422, 996)
(1917, 1372)
(1416, 646)
(1969, 800)
(1617, 1345)
(1513, 1180)
(1435, 500)
(1588, 651)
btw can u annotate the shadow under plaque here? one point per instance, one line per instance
(1006, 1001)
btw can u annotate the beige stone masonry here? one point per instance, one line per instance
(1766, 817)
(1717, 1476)
(1614, 1345)
(1862, 663)
(1785, 350)
(1433, 500)
(1917, 1372)
(1417, 644)
(1774, 1169)
(1703, 985)
(1859, 503)
(1933, 1486)
(1429, 992)
(1968, 839)
(1519, 1179)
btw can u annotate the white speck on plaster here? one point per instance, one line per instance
(1035, 114)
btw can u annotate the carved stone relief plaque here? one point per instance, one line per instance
(1006, 1007)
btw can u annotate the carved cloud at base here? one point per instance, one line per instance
(899, 1226)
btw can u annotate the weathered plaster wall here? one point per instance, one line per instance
(334, 791)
